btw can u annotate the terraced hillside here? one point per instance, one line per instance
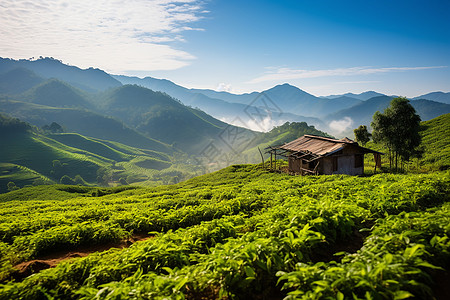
(32, 158)
(83, 122)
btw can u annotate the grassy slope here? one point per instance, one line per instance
(81, 155)
(37, 152)
(89, 144)
(83, 122)
(435, 143)
(20, 175)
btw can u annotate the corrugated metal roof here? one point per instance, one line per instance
(314, 144)
(320, 146)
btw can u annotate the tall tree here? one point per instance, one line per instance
(398, 129)
(362, 135)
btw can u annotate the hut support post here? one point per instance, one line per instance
(301, 167)
(262, 157)
(375, 158)
(275, 159)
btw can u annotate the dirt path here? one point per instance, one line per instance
(27, 268)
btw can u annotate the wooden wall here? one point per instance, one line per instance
(345, 160)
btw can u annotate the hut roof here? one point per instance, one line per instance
(321, 146)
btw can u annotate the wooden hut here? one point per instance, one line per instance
(312, 154)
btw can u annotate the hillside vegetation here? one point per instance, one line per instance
(435, 145)
(82, 121)
(161, 117)
(33, 157)
(57, 94)
(239, 233)
(18, 80)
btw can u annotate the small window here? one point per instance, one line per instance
(312, 165)
(359, 160)
(335, 163)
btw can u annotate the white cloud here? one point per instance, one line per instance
(358, 82)
(263, 125)
(110, 34)
(280, 74)
(223, 87)
(339, 126)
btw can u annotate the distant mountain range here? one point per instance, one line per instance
(288, 103)
(435, 96)
(49, 82)
(230, 108)
(363, 96)
(362, 113)
(91, 80)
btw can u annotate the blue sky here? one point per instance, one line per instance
(323, 47)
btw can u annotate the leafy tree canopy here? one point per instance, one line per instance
(54, 128)
(398, 128)
(12, 125)
(362, 135)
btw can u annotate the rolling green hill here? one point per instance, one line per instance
(56, 93)
(161, 117)
(108, 149)
(21, 176)
(51, 157)
(18, 80)
(30, 157)
(89, 144)
(288, 132)
(38, 153)
(83, 122)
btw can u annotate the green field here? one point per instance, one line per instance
(239, 233)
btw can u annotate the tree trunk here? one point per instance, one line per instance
(396, 161)
(390, 160)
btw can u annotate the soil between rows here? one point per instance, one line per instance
(50, 260)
